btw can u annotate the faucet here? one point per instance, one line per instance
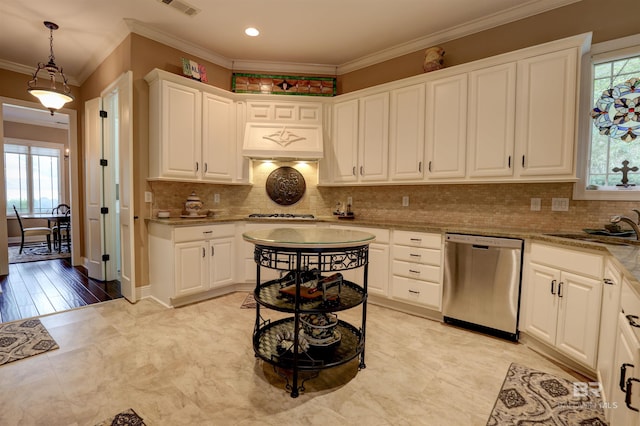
(636, 229)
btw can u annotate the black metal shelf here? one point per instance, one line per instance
(269, 296)
(265, 344)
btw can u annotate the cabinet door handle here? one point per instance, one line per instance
(207, 232)
(429, 166)
(420, 166)
(414, 271)
(206, 166)
(553, 287)
(509, 161)
(414, 292)
(204, 252)
(632, 320)
(361, 170)
(416, 239)
(212, 251)
(354, 170)
(523, 161)
(623, 375)
(608, 281)
(560, 289)
(627, 394)
(415, 255)
(197, 166)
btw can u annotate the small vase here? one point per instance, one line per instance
(193, 204)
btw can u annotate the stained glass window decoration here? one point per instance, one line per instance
(617, 111)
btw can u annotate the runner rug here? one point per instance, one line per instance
(22, 339)
(126, 418)
(533, 397)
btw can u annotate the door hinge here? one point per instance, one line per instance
(103, 114)
(104, 210)
(104, 162)
(105, 257)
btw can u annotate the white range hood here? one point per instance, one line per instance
(290, 141)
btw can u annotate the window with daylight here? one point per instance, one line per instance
(614, 155)
(32, 176)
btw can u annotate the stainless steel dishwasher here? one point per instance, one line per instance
(482, 283)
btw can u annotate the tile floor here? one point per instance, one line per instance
(195, 366)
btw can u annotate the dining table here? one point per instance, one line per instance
(58, 218)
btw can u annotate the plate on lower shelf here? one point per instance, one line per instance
(325, 343)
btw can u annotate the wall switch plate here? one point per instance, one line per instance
(559, 204)
(405, 201)
(535, 204)
(216, 198)
(148, 196)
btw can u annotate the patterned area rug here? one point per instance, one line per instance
(249, 302)
(533, 397)
(126, 418)
(22, 339)
(35, 253)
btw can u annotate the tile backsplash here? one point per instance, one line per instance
(505, 205)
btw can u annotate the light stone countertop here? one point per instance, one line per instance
(626, 256)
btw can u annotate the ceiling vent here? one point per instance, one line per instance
(181, 6)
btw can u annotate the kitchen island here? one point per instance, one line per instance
(302, 255)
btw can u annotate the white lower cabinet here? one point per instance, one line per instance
(378, 277)
(563, 296)
(626, 367)
(416, 268)
(203, 259)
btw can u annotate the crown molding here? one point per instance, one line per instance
(530, 8)
(28, 70)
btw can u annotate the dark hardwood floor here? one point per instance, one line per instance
(48, 286)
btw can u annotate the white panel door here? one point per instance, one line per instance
(378, 277)
(191, 262)
(491, 132)
(406, 129)
(373, 138)
(221, 253)
(345, 141)
(446, 127)
(545, 114)
(181, 131)
(611, 290)
(94, 229)
(218, 137)
(542, 302)
(579, 317)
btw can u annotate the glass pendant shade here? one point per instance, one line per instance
(50, 97)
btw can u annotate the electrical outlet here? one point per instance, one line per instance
(148, 196)
(559, 204)
(405, 201)
(216, 198)
(535, 204)
(350, 201)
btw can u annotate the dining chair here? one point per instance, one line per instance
(36, 230)
(61, 228)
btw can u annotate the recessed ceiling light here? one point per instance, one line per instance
(252, 32)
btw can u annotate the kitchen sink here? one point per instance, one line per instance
(583, 236)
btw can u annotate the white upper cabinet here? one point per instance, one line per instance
(345, 141)
(490, 138)
(361, 139)
(546, 103)
(218, 132)
(373, 138)
(406, 128)
(446, 127)
(176, 136)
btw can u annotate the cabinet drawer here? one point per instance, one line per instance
(193, 233)
(580, 262)
(417, 255)
(415, 291)
(417, 239)
(416, 271)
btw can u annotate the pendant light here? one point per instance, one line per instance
(50, 96)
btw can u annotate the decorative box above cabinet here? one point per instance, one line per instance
(192, 133)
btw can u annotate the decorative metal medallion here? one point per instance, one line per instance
(617, 112)
(285, 185)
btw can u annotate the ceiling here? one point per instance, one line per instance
(339, 35)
